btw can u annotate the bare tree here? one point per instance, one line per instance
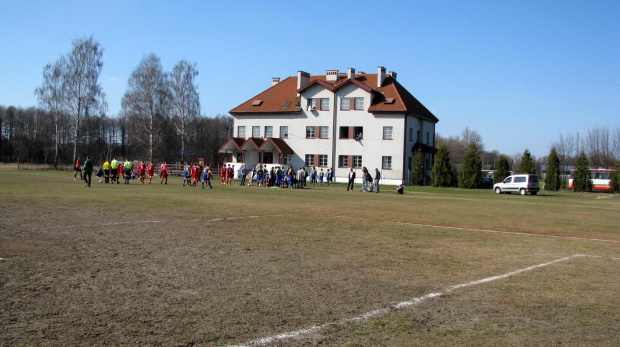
(599, 148)
(146, 99)
(83, 96)
(184, 99)
(566, 148)
(470, 136)
(51, 96)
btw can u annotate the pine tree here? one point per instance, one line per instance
(471, 173)
(582, 182)
(527, 164)
(503, 169)
(614, 183)
(553, 180)
(442, 169)
(418, 168)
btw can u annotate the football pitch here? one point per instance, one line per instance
(155, 264)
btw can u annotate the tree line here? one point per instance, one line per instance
(160, 118)
(461, 160)
(31, 135)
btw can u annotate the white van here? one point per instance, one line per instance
(518, 183)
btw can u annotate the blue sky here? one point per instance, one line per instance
(517, 72)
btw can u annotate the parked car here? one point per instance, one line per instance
(486, 183)
(522, 184)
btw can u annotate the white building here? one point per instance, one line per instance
(337, 120)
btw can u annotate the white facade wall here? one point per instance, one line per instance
(372, 147)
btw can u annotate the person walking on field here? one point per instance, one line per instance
(377, 178)
(78, 168)
(206, 177)
(141, 171)
(106, 171)
(223, 174)
(230, 174)
(127, 166)
(243, 173)
(195, 171)
(114, 165)
(88, 171)
(351, 180)
(164, 173)
(150, 170)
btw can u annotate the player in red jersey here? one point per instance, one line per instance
(223, 173)
(164, 173)
(195, 172)
(230, 172)
(141, 171)
(150, 170)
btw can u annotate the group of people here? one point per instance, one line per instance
(191, 175)
(277, 177)
(113, 171)
(368, 183)
(280, 177)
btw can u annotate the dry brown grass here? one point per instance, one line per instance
(171, 265)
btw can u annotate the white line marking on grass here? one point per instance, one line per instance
(176, 221)
(413, 302)
(487, 230)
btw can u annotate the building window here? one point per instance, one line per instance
(309, 159)
(310, 132)
(324, 132)
(359, 103)
(311, 104)
(343, 161)
(345, 104)
(284, 132)
(255, 131)
(268, 157)
(359, 133)
(287, 159)
(387, 133)
(357, 161)
(241, 131)
(410, 134)
(325, 104)
(428, 138)
(386, 163)
(268, 131)
(418, 137)
(356, 133)
(323, 160)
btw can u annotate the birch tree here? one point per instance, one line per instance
(83, 96)
(184, 99)
(146, 99)
(51, 96)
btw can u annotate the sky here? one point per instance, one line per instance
(520, 73)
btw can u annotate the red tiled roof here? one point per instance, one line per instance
(279, 144)
(282, 97)
(233, 143)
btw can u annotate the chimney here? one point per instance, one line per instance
(275, 80)
(331, 75)
(303, 78)
(350, 73)
(393, 74)
(380, 76)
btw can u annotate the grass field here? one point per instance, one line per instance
(177, 266)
